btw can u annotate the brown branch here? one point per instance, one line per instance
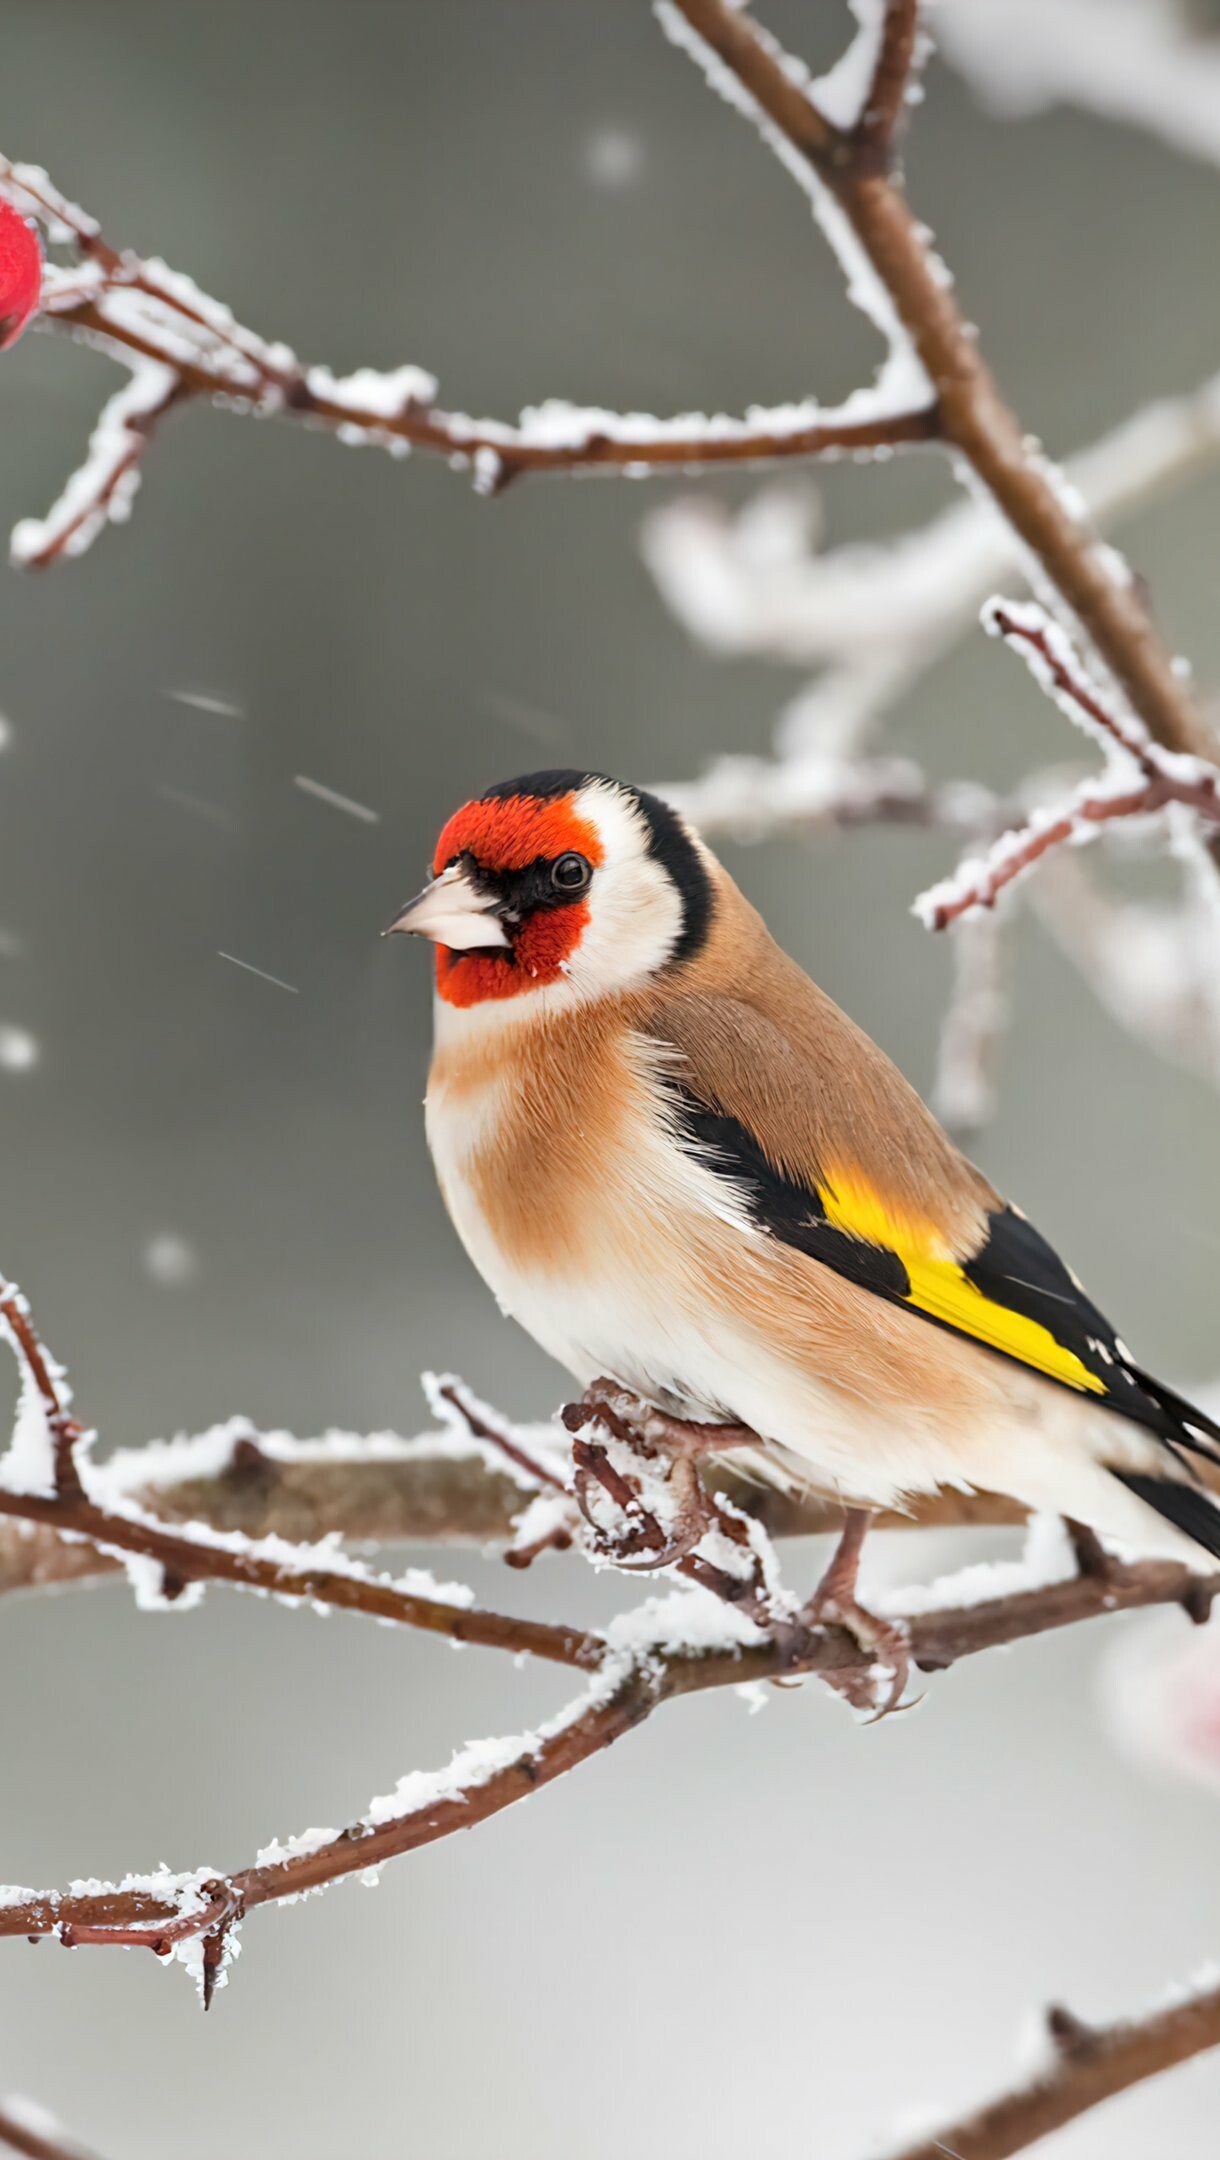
(1092, 2064)
(425, 426)
(35, 2142)
(199, 1559)
(876, 131)
(628, 1692)
(1160, 777)
(65, 1432)
(627, 1685)
(973, 417)
(205, 354)
(498, 1434)
(424, 1499)
(194, 1556)
(112, 474)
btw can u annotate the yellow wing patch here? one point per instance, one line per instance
(940, 1287)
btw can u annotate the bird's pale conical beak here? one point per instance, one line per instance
(451, 911)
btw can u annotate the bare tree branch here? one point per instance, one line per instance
(629, 1685)
(76, 1509)
(635, 1667)
(182, 345)
(1091, 2063)
(1140, 778)
(424, 1498)
(973, 416)
(29, 2130)
(877, 129)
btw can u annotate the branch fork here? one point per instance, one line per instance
(1140, 778)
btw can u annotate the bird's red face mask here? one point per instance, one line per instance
(509, 901)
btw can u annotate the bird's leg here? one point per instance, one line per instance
(834, 1603)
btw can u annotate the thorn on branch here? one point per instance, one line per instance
(1071, 2037)
(252, 1470)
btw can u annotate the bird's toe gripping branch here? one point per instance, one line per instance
(644, 1507)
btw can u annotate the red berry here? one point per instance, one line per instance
(20, 274)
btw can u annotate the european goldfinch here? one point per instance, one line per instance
(679, 1165)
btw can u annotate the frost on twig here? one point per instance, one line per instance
(873, 616)
(102, 490)
(821, 120)
(731, 1622)
(1139, 778)
(180, 344)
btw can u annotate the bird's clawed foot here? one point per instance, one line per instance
(641, 1500)
(638, 1488)
(886, 1643)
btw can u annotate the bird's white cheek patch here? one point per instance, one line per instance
(635, 922)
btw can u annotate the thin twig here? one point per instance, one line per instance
(629, 1688)
(31, 2132)
(193, 1554)
(182, 346)
(627, 1684)
(424, 1498)
(972, 414)
(1140, 780)
(201, 1558)
(1092, 2063)
(877, 129)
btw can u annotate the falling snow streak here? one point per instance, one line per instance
(250, 969)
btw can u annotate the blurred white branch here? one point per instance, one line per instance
(1139, 779)
(1136, 61)
(877, 614)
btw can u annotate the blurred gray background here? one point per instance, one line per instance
(776, 1933)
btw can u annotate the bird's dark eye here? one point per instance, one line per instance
(571, 873)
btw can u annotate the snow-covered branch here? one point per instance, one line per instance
(632, 1502)
(878, 614)
(838, 137)
(80, 1500)
(181, 345)
(671, 1647)
(896, 275)
(1085, 2065)
(1139, 778)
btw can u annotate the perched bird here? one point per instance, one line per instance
(678, 1164)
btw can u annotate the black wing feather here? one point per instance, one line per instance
(1014, 1268)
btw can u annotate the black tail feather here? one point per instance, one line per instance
(1188, 1507)
(1202, 1428)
